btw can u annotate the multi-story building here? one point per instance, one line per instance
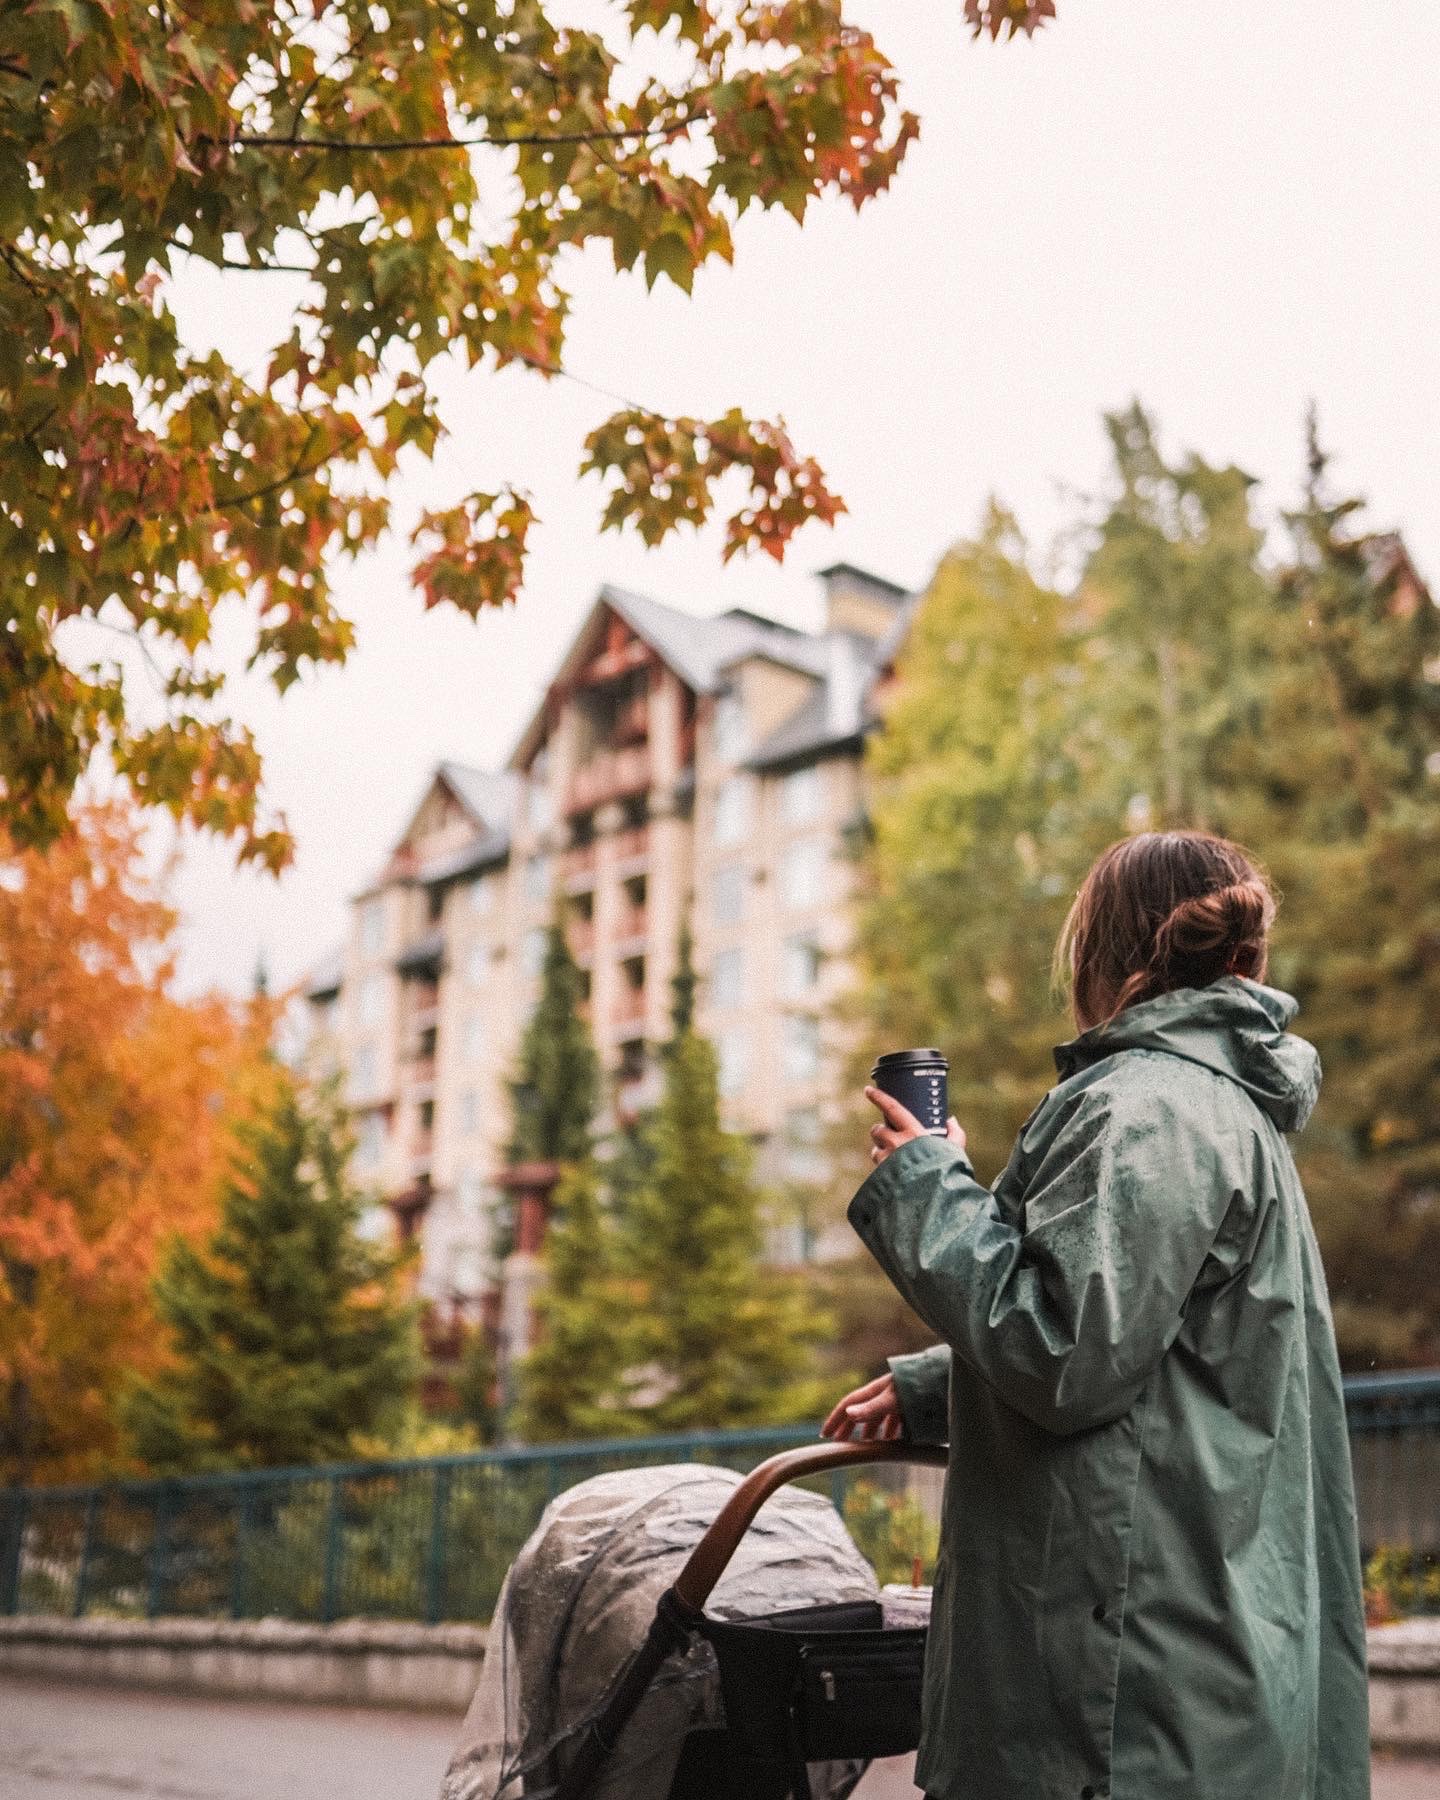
(708, 767)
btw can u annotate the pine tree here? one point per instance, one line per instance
(556, 1090)
(290, 1340)
(573, 1384)
(1341, 787)
(720, 1341)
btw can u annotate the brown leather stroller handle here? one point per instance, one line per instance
(708, 1560)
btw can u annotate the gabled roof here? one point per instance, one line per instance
(488, 795)
(697, 647)
(835, 716)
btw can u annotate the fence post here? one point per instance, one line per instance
(87, 1550)
(437, 1552)
(239, 1570)
(159, 1550)
(330, 1592)
(12, 1546)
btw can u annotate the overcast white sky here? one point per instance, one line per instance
(1224, 209)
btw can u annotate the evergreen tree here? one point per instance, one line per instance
(977, 837)
(718, 1340)
(556, 1089)
(1341, 788)
(475, 1383)
(290, 1340)
(1178, 610)
(573, 1383)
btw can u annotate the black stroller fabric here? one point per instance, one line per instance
(820, 1684)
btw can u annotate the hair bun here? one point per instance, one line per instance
(1224, 929)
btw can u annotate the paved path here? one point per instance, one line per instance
(77, 1743)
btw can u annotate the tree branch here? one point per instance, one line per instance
(380, 146)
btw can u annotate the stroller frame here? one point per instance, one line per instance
(680, 1613)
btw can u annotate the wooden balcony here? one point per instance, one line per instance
(631, 930)
(633, 845)
(580, 934)
(577, 867)
(610, 775)
(629, 1007)
(422, 1149)
(420, 1071)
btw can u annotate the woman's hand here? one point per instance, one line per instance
(898, 1125)
(872, 1411)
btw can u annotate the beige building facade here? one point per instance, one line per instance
(677, 766)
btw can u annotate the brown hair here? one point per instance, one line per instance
(1163, 910)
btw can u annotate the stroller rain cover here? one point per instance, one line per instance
(578, 1601)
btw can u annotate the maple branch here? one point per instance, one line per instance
(298, 473)
(382, 145)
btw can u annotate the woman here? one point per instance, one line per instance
(1148, 1585)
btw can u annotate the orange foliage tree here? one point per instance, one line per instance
(115, 1105)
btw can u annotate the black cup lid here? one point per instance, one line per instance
(897, 1058)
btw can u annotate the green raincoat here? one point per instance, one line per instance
(1148, 1585)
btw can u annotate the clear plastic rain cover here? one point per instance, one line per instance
(578, 1601)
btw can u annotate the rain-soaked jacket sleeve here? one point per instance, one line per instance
(1067, 1317)
(922, 1383)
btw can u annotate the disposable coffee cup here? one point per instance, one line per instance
(918, 1080)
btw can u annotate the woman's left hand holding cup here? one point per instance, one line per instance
(898, 1125)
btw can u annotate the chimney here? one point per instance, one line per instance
(844, 688)
(859, 602)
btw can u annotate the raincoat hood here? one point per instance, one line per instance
(1235, 1026)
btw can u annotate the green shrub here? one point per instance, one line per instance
(890, 1530)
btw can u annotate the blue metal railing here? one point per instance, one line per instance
(426, 1539)
(431, 1539)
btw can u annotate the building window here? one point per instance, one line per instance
(726, 980)
(732, 1049)
(732, 810)
(800, 796)
(731, 736)
(799, 966)
(802, 874)
(727, 898)
(469, 1112)
(370, 1001)
(532, 951)
(372, 926)
(362, 1072)
(537, 877)
(801, 1047)
(369, 1143)
(481, 896)
(803, 1157)
(472, 1037)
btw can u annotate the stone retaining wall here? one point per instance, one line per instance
(1405, 1685)
(358, 1662)
(373, 1663)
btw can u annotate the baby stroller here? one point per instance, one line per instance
(791, 1702)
